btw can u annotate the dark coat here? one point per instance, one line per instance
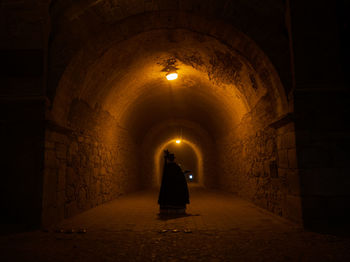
(173, 190)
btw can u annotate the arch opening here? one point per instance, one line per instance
(113, 109)
(188, 156)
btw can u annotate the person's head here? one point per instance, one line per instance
(171, 158)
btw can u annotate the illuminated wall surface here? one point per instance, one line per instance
(109, 109)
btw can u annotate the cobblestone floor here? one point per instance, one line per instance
(219, 227)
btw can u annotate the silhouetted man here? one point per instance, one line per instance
(173, 195)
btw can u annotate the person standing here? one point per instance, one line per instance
(173, 194)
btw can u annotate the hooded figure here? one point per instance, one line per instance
(173, 195)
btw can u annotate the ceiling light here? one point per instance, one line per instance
(171, 76)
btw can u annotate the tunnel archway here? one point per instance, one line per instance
(113, 93)
(193, 134)
(192, 159)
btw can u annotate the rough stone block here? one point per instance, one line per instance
(279, 142)
(283, 158)
(292, 158)
(70, 193)
(71, 176)
(273, 169)
(61, 183)
(286, 141)
(98, 187)
(88, 176)
(96, 172)
(290, 127)
(270, 147)
(82, 198)
(73, 148)
(103, 171)
(75, 161)
(61, 151)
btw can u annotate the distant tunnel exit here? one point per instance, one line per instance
(186, 157)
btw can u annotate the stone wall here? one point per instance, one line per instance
(258, 163)
(83, 170)
(289, 172)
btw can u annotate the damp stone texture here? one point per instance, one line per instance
(83, 169)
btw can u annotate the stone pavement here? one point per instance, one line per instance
(219, 227)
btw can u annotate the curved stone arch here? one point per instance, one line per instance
(163, 146)
(83, 19)
(166, 132)
(223, 32)
(271, 107)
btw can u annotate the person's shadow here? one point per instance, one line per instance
(174, 216)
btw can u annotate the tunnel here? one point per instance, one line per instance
(251, 96)
(114, 111)
(257, 108)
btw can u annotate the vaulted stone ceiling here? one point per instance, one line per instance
(75, 23)
(218, 83)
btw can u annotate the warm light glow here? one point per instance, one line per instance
(178, 141)
(171, 76)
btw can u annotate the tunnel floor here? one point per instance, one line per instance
(219, 227)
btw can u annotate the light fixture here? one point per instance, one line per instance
(170, 68)
(178, 141)
(171, 76)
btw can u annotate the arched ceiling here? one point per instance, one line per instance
(216, 87)
(115, 61)
(173, 129)
(77, 23)
(249, 16)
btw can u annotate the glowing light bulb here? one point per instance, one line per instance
(190, 176)
(178, 141)
(171, 76)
